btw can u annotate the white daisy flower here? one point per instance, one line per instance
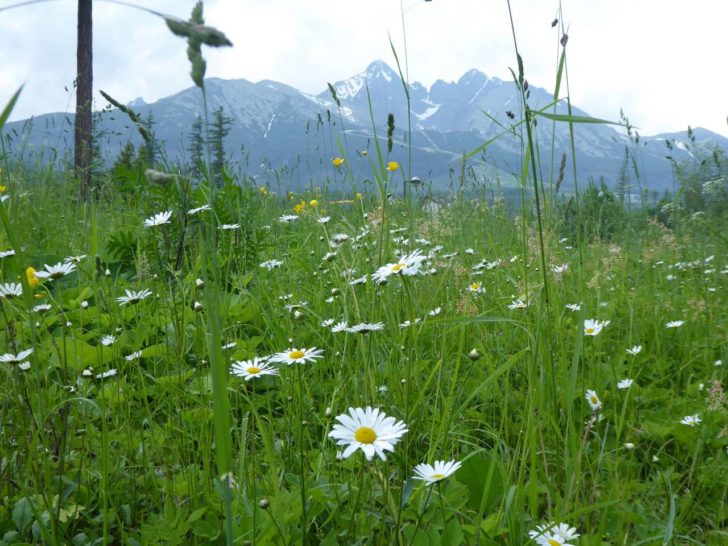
(287, 218)
(324, 220)
(107, 373)
(691, 420)
(107, 341)
(476, 288)
(469, 251)
(625, 384)
(517, 304)
(365, 328)
(593, 400)
(251, 369)
(75, 259)
(229, 227)
(560, 268)
(573, 306)
(133, 356)
(197, 210)
(11, 290)
(369, 430)
(24, 366)
(436, 311)
(42, 308)
(326, 323)
(435, 473)
(637, 349)
(271, 264)
(158, 219)
(406, 265)
(338, 239)
(341, 326)
(298, 356)
(7, 253)
(10, 358)
(133, 297)
(56, 271)
(674, 324)
(229, 345)
(593, 327)
(560, 534)
(360, 280)
(407, 323)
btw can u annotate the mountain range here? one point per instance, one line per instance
(277, 131)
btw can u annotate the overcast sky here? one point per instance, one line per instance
(662, 61)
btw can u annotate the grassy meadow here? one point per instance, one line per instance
(122, 422)
(199, 359)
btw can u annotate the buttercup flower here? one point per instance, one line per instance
(337, 161)
(392, 166)
(369, 430)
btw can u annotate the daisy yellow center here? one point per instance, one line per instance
(554, 542)
(594, 400)
(294, 355)
(437, 476)
(253, 370)
(474, 286)
(397, 267)
(365, 435)
(589, 330)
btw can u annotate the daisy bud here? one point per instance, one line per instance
(474, 355)
(264, 504)
(107, 272)
(197, 306)
(328, 412)
(629, 446)
(84, 304)
(298, 315)
(199, 283)
(335, 291)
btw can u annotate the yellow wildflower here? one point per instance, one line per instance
(32, 279)
(359, 195)
(337, 161)
(298, 209)
(392, 166)
(3, 188)
(313, 203)
(263, 190)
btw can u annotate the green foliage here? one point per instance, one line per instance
(602, 215)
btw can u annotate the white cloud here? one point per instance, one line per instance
(659, 60)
